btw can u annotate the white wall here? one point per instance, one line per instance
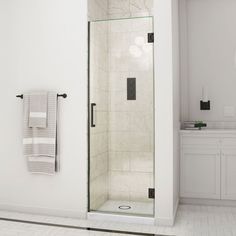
(43, 45)
(176, 102)
(208, 58)
(166, 64)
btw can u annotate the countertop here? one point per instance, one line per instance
(209, 131)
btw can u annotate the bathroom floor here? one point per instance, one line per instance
(191, 220)
(137, 208)
(21, 229)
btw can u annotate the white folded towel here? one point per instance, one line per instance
(38, 105)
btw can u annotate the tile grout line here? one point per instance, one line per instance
(76, 227)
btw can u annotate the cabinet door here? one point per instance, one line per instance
(228, 174)
(200, 173)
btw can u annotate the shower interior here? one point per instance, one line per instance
(121, 122)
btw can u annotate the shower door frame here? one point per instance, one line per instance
(89, 116)
(89, 123)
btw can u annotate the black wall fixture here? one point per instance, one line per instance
(131, 88)
(205, 105)
(92, 114)
(150, 37)
(151, 193)
(64, 95)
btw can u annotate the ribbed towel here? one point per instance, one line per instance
(40, 145)
(38, 110)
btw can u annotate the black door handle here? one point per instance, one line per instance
(92, 114)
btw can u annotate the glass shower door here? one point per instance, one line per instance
(121, 116)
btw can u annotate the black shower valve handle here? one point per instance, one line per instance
(92, 115)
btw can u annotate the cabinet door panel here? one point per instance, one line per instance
(228, 142)
(200, 173)
(228, 175)
(200, 140)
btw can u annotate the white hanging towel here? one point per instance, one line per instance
(40, 144)
(38, 110)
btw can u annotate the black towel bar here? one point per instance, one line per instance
(64, 95)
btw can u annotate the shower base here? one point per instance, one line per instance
(127, 207)
(134, 213)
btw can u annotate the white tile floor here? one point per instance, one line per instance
(19, 229)
(137, 208)
(191, 221)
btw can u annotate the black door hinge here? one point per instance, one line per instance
(151, 193)
(150, 37)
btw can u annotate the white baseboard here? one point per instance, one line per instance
(168, 221)
(208, 202)
(175, 210)
(106, 217)
(164, 221)
(43, 211)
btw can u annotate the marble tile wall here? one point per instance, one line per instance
(97, 10)
(99, 95)
(113, 9)
(129, 8)
(130, 122)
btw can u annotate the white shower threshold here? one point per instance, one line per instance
(138, 213)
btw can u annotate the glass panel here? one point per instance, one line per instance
(121, 162)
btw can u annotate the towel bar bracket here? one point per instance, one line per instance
(64, 95)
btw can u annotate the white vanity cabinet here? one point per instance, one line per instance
(228, 174)
(208, 164)
(200, 173)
